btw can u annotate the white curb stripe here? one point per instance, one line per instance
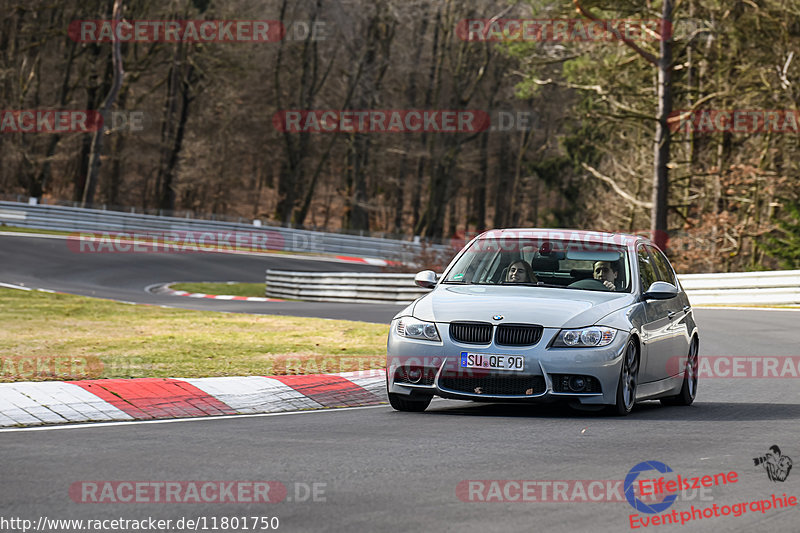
(18, 287)
(5, 421)
(38, 392)
(254, 394)
(56, 402)
(372, 380)
(22, 410)
(376, 262)
(71, 401)
(53, 402)
(193, 419)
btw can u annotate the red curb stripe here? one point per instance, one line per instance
(148, 398)
(330, 391)
(351, 259)
(366, 260)
(221, 296)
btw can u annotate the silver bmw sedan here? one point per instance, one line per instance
(532, 315)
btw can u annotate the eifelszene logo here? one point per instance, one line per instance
(662, 485)
(630, 484)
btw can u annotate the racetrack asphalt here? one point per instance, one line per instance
(381, 470)
(45, 262)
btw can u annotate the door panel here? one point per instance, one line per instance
(655, 329)
(677, 335)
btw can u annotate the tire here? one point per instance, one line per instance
(689, 388)
(400, 403)
(628, 379)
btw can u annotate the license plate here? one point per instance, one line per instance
(492, 361)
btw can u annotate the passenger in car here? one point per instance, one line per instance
(606, 272)
(520, 272)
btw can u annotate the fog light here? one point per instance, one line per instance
(414, 374)
(577, 383)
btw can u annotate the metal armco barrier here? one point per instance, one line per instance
(343, 287)
(780, 287)
(749, 288)
(74, 219)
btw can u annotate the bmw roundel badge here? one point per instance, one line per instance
(498, 317)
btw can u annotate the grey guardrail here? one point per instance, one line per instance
(343, 287)
(749, 288)
(779, 287)
(74, 219)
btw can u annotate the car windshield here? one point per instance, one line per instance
(550, 263)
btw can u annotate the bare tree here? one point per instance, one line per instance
(108, 102)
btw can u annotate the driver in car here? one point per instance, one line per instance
(520, 272)
(606, 272)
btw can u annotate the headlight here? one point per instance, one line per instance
(581, 338)
(417, 329)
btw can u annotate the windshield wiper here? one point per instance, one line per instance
(531, 284)
(552, 286)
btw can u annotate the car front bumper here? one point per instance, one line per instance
(544, 367)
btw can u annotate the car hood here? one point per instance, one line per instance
(550, 307)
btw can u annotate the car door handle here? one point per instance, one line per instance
(686, 308)
(671, 314)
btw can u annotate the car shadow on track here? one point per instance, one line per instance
(651, 410)
(554, 410)
(719, 411)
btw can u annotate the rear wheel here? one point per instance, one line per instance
(403, 403)
(628, 379)
(689, 388)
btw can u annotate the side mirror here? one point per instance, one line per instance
(660, 290)
(425, 279)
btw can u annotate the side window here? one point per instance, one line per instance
(647, 273)
(663, 270)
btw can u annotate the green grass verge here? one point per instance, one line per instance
(15, 229)
(58, 336)
(233, 289)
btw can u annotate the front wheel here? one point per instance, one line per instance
(402, 403)
(689, 388)
(628, 379)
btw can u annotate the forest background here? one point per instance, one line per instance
(574, 144)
